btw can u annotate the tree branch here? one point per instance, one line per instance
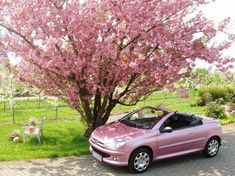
(20, 35)
(116, 4)
(58, 6)
(59, 50)
(73, 45)
(97, 103)
(35, 48)
(155, 26)
(178, 11)
(128, 86)
(137, 101)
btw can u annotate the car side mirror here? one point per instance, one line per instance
(167, 130)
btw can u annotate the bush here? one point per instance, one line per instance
(193, 104)
(215, 110)
(225, 92)
(198, 101)
(207, 98)
(233, 99)
(220, 101)
(204, 99)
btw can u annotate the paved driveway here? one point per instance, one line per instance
(192, 165)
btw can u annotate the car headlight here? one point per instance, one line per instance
(114, 144)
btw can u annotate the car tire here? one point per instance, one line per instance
(212, 147)
(140, 160)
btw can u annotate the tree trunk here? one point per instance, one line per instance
(13, 114)
(28, 96)
(88, 131)
(56, 112)
(93, 126)
(4, 105)
(99, 119)
(39, 101)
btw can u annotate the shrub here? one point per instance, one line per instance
(233, 99)
(225, 92)
(198, 101)
(220, 101)
(193, 104)
(215, 110)
(207, 98)
(204, 99)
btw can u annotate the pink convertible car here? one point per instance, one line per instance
(150, 133)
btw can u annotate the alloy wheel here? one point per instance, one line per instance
(141, 161)
(213, 147)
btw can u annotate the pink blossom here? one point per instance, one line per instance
(80, 52)
(133, 65)
(183, 93)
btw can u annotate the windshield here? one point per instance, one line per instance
(145, 118)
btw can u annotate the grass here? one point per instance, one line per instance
(173, 104)
(64, 136)
(31, 104)
(61, 138)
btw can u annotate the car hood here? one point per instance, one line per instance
(117, 130)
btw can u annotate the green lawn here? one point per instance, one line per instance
(64, 136)
(31, 104)
(173, 104)
(61, 138)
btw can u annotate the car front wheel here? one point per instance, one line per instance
(212, 148)
(140, 160)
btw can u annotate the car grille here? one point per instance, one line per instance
(97, 142)
(105, 155)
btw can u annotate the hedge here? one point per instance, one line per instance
(225, 92)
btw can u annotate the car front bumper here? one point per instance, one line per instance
(112, 157)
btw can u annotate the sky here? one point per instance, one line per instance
(219, 10)
(215, 11)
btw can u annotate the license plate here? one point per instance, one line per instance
(97, 156)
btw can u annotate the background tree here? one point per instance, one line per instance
(55, 103)
(202, 77)
(102, 53)
(9, 90)
(3, 69)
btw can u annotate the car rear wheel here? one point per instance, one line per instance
(212, 147)
(140, 160)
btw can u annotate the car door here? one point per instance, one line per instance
(179, 141)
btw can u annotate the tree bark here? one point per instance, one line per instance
(99, 117)
(56, 112)
(13, 114)
(4, 105)
(39, 101)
